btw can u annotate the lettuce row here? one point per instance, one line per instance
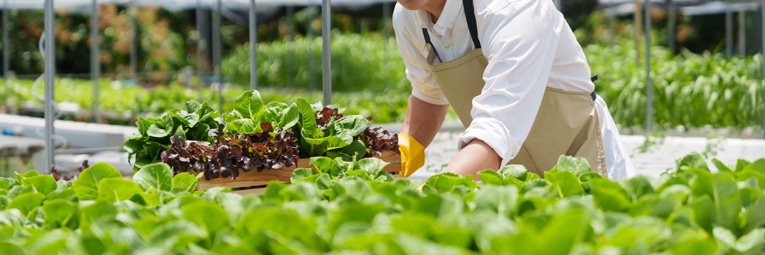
(350, 207)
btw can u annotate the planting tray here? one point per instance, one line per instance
(253, 182)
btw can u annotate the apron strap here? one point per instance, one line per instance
(593, 95)
(426, 35)
(472, 25)
(429, 43)
(470, 18)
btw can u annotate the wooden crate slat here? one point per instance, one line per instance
(250, 179)
(250, 191)
(253, 178)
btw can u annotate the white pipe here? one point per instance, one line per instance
(133, 44)
(648, 88)
(311, 59)
(671, 35)
(386, 17)
(742, 33)
(253, 46)
(217, 51)
(6, 50)
(200, 49)
(728, 30)
(95, 66)
(326, 54)
(762, 53)
(290, 44)
(50, 70)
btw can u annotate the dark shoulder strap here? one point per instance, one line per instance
(426, 35)
(472, 26)
(470, 18)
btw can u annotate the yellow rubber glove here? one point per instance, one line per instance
(412, 154)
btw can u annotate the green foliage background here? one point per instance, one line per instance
(691, 90)
(359, 62)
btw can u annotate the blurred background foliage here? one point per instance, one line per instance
(167, 41)
(695, 84)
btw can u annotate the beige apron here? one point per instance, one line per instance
(567, 122)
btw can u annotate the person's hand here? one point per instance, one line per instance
(412, 154)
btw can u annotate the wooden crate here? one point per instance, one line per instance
(254, 182)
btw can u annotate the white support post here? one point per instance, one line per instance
(742, 33)
(95, 66)
(326, 55)
(216, 48)
(671, 30)
(133, 44)
(6, 50)
(50, 70)
(728, 30)
(253, 46)
(201, 45)
(762, 53)
(648, 85)
(386, 17)
(290, 58)
(311, 56)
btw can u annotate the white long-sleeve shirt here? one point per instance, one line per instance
(529, 46)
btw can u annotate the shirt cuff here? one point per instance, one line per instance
(495, 134)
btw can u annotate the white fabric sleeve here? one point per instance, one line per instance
(520, 46)
(411, 44)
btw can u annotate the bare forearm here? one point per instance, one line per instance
(423, 120)
(473, 158)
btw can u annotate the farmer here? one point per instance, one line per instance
(516, 77)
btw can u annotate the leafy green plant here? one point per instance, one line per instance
(690, 90)
(193, 123)
(249, 111)
(354, 207)
(325, 168)
(253, 135)
(325, 131)
(263, 150)
(320, 130)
